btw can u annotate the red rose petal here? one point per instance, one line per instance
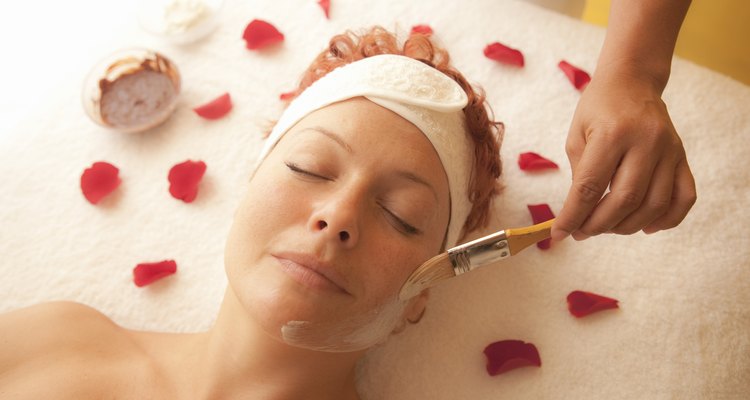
(423, 29)
(99, 180)
(581, 303)
(578, 77)
(184, 179)
(145, 273)
(215, 108)
(506, 355)
(259, 34)
(541, 213)
(326, 6)
(504, 54)
(532, 162)
(288, 95)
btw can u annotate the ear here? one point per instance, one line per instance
(416, 306)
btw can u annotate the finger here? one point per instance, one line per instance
(656, 202)
(627, 191)
(591, 178)
(683, 197)
(574, 145)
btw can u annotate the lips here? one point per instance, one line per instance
(310, 271)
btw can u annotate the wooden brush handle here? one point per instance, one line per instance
(521, 238)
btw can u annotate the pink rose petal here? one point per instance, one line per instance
(184, 179)
(99, 180)
(541, 213)
(259, 34)
(533, 162)
(215, 108)
(423, 29)
(506, 355)
(146, 273)
(326, 6)
(578, 77)
(504, 54)
(581, 303)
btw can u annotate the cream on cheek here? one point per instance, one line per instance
(357, 332)
(360, 329)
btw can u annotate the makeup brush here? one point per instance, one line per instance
(470, 255)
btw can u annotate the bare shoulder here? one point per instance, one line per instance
(50, 329)
(66, 350)
(50, 311)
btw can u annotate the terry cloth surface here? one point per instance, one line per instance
(681, 331)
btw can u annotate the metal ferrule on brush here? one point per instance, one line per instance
(479, 252)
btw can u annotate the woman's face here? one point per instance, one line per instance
(350, 201)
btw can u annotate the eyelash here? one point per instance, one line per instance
(403, 225)
(295, 168)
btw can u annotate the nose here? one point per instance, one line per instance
(337, 219)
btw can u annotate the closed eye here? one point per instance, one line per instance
(402, 225)
(296, 169)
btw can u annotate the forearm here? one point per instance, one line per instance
(641, 38)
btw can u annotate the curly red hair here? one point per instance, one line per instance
(485, 133)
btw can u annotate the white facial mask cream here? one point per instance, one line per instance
(355, 333)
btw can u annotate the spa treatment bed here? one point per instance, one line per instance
(682, 329)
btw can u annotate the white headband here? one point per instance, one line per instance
(422, 95)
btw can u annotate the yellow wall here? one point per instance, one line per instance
(716, 34)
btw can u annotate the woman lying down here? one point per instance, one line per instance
(386, 157)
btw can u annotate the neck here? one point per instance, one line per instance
(237, 359)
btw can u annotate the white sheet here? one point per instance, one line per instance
(681, 332)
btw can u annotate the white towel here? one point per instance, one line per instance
(682, 330)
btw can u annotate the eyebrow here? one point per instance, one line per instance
(417, 179)
(401, 173)
(336, 138)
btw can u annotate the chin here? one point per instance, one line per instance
(274, 299)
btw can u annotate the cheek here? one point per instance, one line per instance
(377, 312)
(390, 263)
(266, 210)
(269, 198)
(267, 206)
(264, 216)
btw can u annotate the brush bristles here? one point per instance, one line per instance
(428, 274)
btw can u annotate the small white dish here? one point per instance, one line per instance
(180, 21)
